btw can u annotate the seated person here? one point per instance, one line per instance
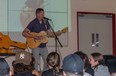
(110, 61)
(23, 65)
(97, 63)
(87, 68)
(53, 61)
(112, 66)
(4, 67)
(73, 65)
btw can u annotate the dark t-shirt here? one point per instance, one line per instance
(37, 26)
(50, 73)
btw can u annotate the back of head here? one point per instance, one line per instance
(24, 74)
(53, 59)
(112, 66)
(4, 67)
(21, 69)
(73, 64)
(23, 62)
(84, 57)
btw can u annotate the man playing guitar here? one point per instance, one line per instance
(38, 25)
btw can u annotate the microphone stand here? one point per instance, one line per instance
(56, 37)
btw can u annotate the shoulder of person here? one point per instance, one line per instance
(36, 73)
(33, 21)
(102, 67)
(102, 70)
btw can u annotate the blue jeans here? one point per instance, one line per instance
(37, 53)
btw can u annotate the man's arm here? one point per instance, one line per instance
(51, 34)
(26, 33)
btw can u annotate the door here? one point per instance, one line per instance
(95, 33)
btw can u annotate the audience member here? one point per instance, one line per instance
(112, 66)
(53, 61)
(24, 65)
(4, 67)
(87, 68)
(73, 65)
(98, 64)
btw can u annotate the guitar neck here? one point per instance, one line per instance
(19, 44)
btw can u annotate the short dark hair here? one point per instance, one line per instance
(84, 58)
(38, 10)
(21, 67)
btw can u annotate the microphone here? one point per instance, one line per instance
(47, 18)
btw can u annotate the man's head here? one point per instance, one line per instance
(40, 13)
(23, 57)
(73, 64)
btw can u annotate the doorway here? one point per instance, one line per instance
(95, 32)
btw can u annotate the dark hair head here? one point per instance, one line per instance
(21, 67)
(38, 10)
(4, 67)
(84, 57)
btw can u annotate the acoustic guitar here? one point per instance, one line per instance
(33, 43)
(6, 43)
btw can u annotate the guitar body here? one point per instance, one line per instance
(6, 43)
(32, 43)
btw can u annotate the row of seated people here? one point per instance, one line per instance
(76, 64)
